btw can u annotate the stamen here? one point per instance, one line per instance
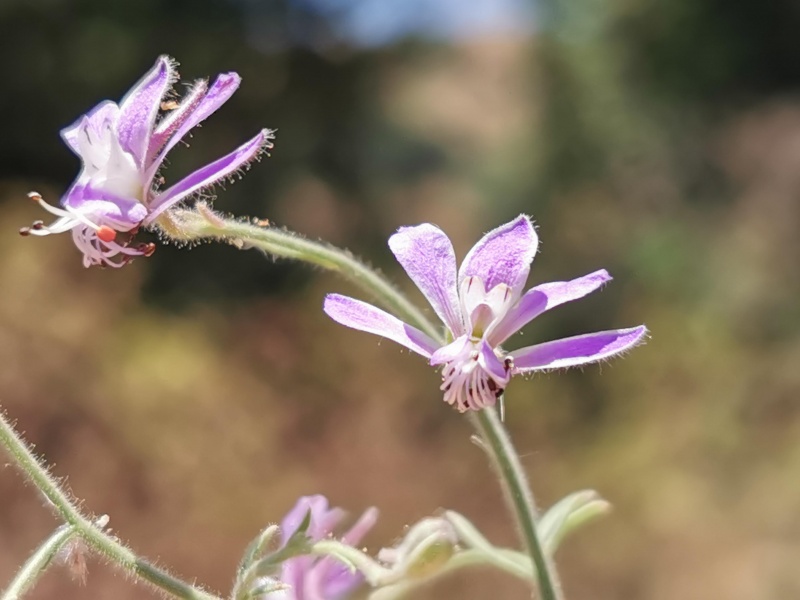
(469, 386)
(37, 197)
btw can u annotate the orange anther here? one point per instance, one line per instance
(106, 234)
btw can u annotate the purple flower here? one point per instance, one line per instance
(314, 578)
(121, 147)
(482, 306)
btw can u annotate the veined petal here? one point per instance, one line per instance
(365, 317)
(96, 118)
(200, 104)
(503, 255)
(139, 108)
(578, 350)
(212, 173)
(542, 298)
(427, 255)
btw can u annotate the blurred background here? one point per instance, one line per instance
(194, 395)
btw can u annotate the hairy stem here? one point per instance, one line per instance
(518, 496)
(108, 546)
(204, 224)
(284, 244)
(37, 564)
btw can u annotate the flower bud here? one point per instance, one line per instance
(425, 549)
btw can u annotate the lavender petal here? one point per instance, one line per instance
(212, 173)
(200, 104)
(542, 298)
(493, 365)
(335, 579)
(503, 255)
(365, 317)
(578, 350)
(123, 213)
(139, 108)
(427, 255)
(323, 520)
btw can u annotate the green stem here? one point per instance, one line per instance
(37, 564)
(285, 244)
(203, 224)
(519, 496)
(92, 534)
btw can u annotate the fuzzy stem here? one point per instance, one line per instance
(519, 497)
(285, 244)
(37, 564)
(194, 225)
(108, 546)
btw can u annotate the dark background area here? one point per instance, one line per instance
(194, 395)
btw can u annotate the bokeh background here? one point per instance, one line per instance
(194, 395)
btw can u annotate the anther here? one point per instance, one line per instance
(24, 231)
(106, 234)
(35, 196)
(508, 363)
(147, 249)
(37, 225)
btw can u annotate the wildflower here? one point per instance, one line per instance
(122, 147)
(482, 306)
(314, 578)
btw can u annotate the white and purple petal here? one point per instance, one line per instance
(542, 298)
(139, 108)
(105, 207)
(95, 120)
(205, 177)
(427, 255)
(577, 350)
(503, 255)
(460, 346)
(371, 319)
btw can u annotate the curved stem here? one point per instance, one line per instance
(200, 224)
(37, 564)
(109, 546)
(277, 242)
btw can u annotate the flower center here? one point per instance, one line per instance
(482, 309)
(476, 377)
